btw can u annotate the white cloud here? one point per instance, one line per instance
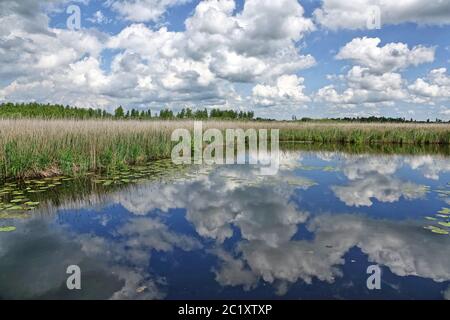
(366, 52)
(435, 87)
(372, 178)
(354, 15)
(99, 18)
(374, 80)
(374, 186)
(288, 90)
(144, 10)
(447, 294)
(155, 67)
(430, 167)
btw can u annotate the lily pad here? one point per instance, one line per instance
(31, 203)
(444, 224)
(440, 231)
(7, 215)
(7, 229)
(14, 208)
(18, 200)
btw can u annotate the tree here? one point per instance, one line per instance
(119, 113)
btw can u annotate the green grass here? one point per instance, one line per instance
(31, 148)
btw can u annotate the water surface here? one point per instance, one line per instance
(226, 232)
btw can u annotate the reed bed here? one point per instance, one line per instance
(51, 147)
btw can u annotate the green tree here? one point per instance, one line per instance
(119, 113)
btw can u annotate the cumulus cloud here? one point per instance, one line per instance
(287, 90)
(152, 66)
(144, 10)
(390, 57)
(99, 18)
(344, 15)
(120, 267)
(249, 58)
(385, 189)
(374, 80)
(397, 245)
(434, 88)
(430, 167)
(372, 178)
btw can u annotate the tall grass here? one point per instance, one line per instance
(49, 147)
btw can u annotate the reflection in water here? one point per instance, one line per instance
(311, 231)
(373, 178)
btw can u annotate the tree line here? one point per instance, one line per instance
(57, 111)
(369, 120)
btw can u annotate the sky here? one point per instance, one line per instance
(283, 58)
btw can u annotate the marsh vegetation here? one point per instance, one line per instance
(44, 148)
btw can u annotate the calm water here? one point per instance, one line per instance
(226, 232)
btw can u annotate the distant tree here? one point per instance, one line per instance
(181, 114)
(119, 113)
(189, 113)
(166, 114)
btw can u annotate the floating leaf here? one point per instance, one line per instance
(440, 231)
(431, 218)
(7, 215)
(7, 229)
(31, 203)
(17, 200)
(444, 224)
(36, 191)
(15, 208)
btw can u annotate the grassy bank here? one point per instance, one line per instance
(50, 147)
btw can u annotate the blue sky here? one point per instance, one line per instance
(279, 58)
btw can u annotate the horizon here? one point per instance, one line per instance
(124, 113)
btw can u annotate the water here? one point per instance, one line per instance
(227, 233)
